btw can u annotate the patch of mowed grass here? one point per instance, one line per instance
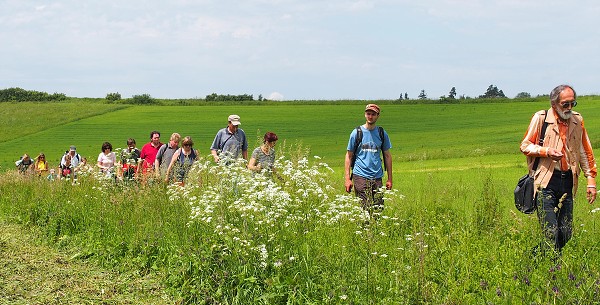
(36, 273)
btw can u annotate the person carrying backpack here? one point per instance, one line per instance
(182, 161)
(165, 154)
(362, 166)
(24, 164)
(74, 159)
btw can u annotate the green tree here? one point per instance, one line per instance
(452, 94)
(493, 92)
(523, 95)
(144, 99)
(113, 96)
(423, 95)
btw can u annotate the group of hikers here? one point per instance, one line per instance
(169, 161)
(70, 163)
(173, 160)
(561, 153)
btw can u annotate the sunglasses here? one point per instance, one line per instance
(567, 104)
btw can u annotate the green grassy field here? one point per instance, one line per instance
(450, 235)
(418, 132)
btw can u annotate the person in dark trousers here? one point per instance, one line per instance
(363, 168)
(565, 152)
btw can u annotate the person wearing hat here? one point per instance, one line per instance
(363, 168)
(230, 141)
(75, 157)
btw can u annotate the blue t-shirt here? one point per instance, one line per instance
(231, 144)
(368, 157)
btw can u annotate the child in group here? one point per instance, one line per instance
(52, 175)
(83, 168)
(130, 158)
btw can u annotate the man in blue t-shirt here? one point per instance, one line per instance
(230, 142)
(365, 172)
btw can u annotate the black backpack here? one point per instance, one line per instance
(358, 141)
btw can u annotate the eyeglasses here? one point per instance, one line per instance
(567, 104)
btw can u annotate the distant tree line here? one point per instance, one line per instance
(233, 98)
(492, 92)
(22, 95)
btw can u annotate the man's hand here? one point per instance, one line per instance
(348, 184)
(388, 184)
(554, 154)
(591, 194)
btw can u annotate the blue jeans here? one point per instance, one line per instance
(556, 215)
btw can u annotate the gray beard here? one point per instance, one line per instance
(565, 116)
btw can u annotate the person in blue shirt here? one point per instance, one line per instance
(363, 164)
(230, 142)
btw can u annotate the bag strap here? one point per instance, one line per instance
(541, 140)
(382, 137)
(222, 145)
(357, 142)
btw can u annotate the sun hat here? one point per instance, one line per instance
(234, 119)
(372, 107)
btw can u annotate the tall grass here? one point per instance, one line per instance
(450, 235)
(232, 237)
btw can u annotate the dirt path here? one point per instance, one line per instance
(31, 273)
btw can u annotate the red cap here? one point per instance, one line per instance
(372, 107)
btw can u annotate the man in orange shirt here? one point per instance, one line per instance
(565, 152)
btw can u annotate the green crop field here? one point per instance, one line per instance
(449, 234)
(418, 132)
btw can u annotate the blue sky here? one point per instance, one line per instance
(305, 49)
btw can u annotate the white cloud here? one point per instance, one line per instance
(275, 96)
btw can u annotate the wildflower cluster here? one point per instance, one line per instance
(248, 211)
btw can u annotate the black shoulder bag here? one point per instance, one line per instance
(524, 198)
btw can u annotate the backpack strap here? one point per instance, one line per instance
(357, 142)
(222, 145)
(181, 156)
(382, 137)
(541, 140)
(161, 152)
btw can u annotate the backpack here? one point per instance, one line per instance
(358, 141)
(161, 152)
(192, 156)
(77, 156)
